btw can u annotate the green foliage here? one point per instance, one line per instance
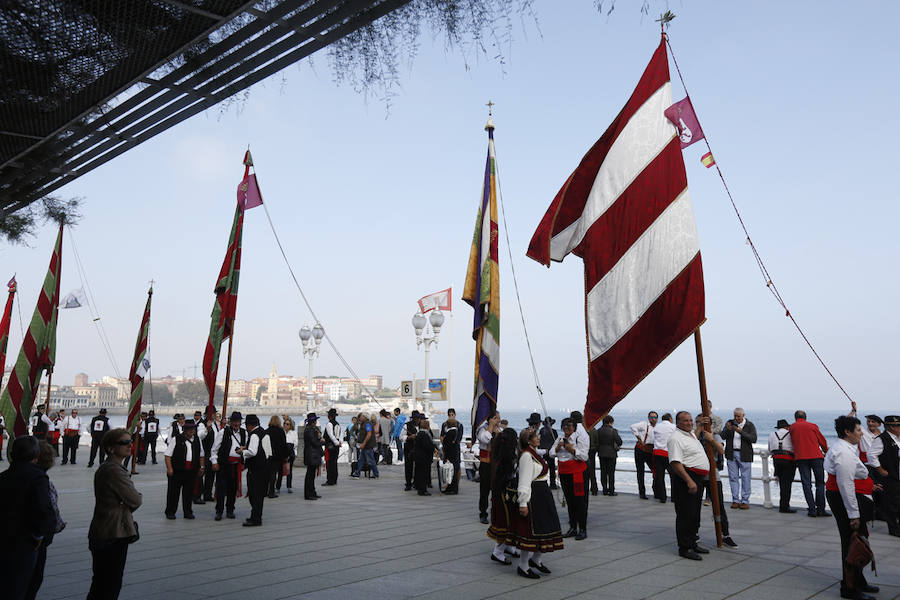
(194, 393)
(158, 394)
(18, 226)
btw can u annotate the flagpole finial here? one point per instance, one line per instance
(664, 20)
(490, 122)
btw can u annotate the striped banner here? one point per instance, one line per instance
(38, 352)
(139, 369)
(626, 212)
(4, 326)
(482, 292)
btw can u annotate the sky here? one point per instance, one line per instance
(376, 208)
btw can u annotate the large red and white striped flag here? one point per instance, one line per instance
(626, 212)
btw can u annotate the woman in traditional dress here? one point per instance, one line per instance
(504, 454)
(537, 529)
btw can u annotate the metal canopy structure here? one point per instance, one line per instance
(86, 80)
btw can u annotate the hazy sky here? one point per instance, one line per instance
(377, 210)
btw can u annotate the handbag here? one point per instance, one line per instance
(137, 534)
(859, 554)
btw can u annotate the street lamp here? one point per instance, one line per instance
(311, 340)
(420, 324)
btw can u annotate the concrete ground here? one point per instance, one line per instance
(368, 538)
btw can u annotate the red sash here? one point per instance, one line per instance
(782, 455)
(863, 457)
(576, 469)
(657, 452)
(701, 472)
(485, 456)
(537, 457)
(234, 460)
(862, 486)
(187, 465)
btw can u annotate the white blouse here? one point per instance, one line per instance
(529, 470)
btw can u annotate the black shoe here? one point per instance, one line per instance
(170, 517)
(316, 495)
(208, 498)
(594, 493)
(662, 500)
(729, 542)
(65, 462)
(503, 561)
(425, 493)
(90, 465)
(823, 513)
(229, 515)
(643, 497)
(690, 554)
(407, 488)
(810, 513)
(310, 497)
(199, 501)
(700, 549)
(190, 516)
(856, 595)
(483, 519)
(554, 487)
(249, 523)
(570, 533)
(543, 569)
(613, 494)
(529, 574)
(872, 589)
(218, 516)
(581, 535)
(788, 511)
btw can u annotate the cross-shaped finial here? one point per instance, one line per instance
(152, 281)
(490, 106)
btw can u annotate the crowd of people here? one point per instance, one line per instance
(205, 459)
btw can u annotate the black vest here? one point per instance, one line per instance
(179, 453)
(258, 462)
(147, 429)
(40, 428)
(228, 437)
(105, 426)
(890, 456)
(210, 436)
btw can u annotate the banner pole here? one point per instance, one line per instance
(227, 374)
(713, 472)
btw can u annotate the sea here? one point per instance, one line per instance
(626, 482)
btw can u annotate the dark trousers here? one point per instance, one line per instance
(109, 566)
(642, 459)
(331, 468)
(607, 473)
(722, 512)
(209, 480)
(687, 509)
(576, 505)
(816, 467)
(96, 447)
(399, 449)
(70, 447)
(142, 449)
(181, 483)
(18, 560)
(409, 467)
(274, 470)
(423, 472)
(309, 482)
(784, 471)
(257, 481)
(852, 580)
(226, 487)
(37, 576)
(484, 492)
(452, 453)
(151, 444)
(660, 468)
(289, 477)
(890, 504)
(551, 464)
(592, 471)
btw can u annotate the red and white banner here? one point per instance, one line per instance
(441, 300)
(626, 212)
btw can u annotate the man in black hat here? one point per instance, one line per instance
(782, 449)
(409, 444)
(884, 456)
(547, 439)
(332, 447)
(152, 426)
(184, 462)
(210, 427)
(227, 460)
(256, 454)
(312, 456)
(99, 427)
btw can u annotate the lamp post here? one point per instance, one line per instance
(420, 324)
(311, 340)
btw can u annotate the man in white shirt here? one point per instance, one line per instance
(884, 457)
(333, 447)
(661, 434)
(643, 449)
(256, 454)
(184, 462)
(71, 435)
(689, 472)
(782, 449)
(227, 458)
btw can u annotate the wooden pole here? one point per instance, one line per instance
(227, 376)
(704, 405)
(47, 402)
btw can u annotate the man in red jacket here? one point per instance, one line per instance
(809, 445)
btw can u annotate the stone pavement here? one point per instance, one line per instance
(368, 538)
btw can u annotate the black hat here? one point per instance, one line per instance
(892, 420)
(152, 412)
(534, 419)
(197, 412)
(332, 412)
(236, 416)
(782, 424)
(415, 414)
(875, 418)
(550, 420)
(102, 411)
(189, 424)
(252, 420)
(311, 417)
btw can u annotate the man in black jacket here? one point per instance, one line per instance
(256, 454)
(312, 456)
(152, 426)
(423, 454)
(548, 437)
(184, 463)
(278, 439)
(333, 446)
(99, 427)
(739, 435)
(27, 516)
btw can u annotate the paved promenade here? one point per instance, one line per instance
(369, 539)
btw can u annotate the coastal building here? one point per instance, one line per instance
(81, 379)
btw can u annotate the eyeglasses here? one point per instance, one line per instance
(123, 443)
